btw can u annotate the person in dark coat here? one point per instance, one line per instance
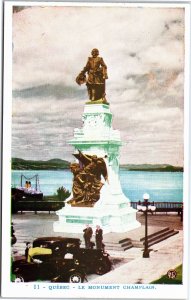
(28, 246)
(98, 237)
(13, 237)
(87, 236)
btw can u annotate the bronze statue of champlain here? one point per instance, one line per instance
(96, 70)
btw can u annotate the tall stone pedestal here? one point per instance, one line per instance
(112, 211)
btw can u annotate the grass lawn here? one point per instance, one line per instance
(165, 280)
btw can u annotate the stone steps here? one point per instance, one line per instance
(164, 237)
(139, 242)
(121, 245)
(127, 243)
(154, 238)
(154, 234)
(158, 236)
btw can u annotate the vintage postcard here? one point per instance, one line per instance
(95, 193)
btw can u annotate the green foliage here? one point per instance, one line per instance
(12, 276)
(52, 164)
(62, 193)
(165, 280)
(152, 168)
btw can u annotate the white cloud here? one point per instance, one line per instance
(169, 56)
(144, 52)
(49, 46)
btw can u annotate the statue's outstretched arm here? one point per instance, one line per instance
(81, 78)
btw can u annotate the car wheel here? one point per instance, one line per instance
(101, 269)
(19, 278)
(76, 277)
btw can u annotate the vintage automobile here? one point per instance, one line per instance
(48, 268)
(60, 259)
(58, 245)
(93, 260)
(49, 262)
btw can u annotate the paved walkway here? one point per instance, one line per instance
(166, 255)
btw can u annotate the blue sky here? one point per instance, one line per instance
(144, 51)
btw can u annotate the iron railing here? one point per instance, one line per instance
(164, 206)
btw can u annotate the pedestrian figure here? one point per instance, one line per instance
(87, 236)
(13, 237)
(28, 246)
(99, 237)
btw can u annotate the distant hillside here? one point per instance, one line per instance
(59, 164)
(152, 168)
(52, 164)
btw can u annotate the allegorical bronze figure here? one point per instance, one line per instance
(96, 70)
(87, 179)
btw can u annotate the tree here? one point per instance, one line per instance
(62, 193)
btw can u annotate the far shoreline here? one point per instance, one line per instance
(122, 168)
(59, 165)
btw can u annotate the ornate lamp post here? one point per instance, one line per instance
(146, 207)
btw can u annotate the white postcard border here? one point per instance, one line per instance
(125, 291)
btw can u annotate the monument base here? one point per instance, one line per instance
(112, 211)
(113, 215)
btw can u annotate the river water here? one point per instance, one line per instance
(162, 186)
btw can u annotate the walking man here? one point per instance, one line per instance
(87, 236)
(99, 237)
